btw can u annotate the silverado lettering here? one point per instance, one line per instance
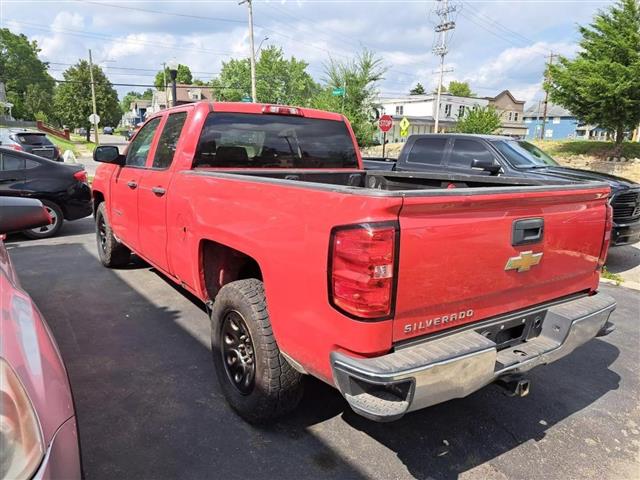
(247, 205)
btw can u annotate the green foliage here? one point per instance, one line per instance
(601, 86)
(485, 120)
(359, 78)
(183, 76)
(147, 94)
(417, 90)
(616, 277)
(570, 148)
(72, 98)
(278, 80)
(125, 103)
(460, 89)
(41, 117)
(24, 75)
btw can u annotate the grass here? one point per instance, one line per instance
(611, 276)
(78, 145)
(569, 148)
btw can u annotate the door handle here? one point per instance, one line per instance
(132, 185)
(158, 191)
(528, 230)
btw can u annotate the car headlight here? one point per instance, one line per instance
(21, 445)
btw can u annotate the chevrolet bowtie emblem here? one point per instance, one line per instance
(524, 261)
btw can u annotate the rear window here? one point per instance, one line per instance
(33, 139)
(243, 140)
(429, 151)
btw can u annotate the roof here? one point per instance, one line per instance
(553, 110)
(506, 92)
(183, 92)
(140, 103)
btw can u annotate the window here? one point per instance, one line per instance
(548, 133)
(139, 148)
(515, 116)
(510, 116)
(9, 162)
(429, 151)
(465, 151)
(523, 154)
(461, 111)
(168, 140)
(556, 120)
(34, 139)
(399, 109)
(447, 110)
(243, 140)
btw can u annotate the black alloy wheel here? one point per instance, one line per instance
(238, 352)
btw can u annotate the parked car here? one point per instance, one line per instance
(62, 188)
(490, 155)
(397, 290)
(107, 130)
(38, 426)
(30, 141)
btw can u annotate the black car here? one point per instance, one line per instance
(30, 141)
(497, 155)
(62, 188)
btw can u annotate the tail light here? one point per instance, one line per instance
(607, 237)
(280, 110)
(81, 176)
(17, 147)
(362, 270)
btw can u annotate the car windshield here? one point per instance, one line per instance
(33, 139)
(524, 154)
(240, 140)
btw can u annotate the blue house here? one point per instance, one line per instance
(560, 124)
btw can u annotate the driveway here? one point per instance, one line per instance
(138, 356)
(87, 160)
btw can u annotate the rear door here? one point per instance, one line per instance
(12, 174)
(426, 153)
(152, 192)
(462, 258)
(125, 182)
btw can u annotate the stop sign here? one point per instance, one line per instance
(385, 123)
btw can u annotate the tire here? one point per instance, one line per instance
(276, 387)
(48, 231)
(112, 253)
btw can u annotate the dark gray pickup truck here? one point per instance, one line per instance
(491, 155)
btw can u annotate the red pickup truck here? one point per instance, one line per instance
(400, 289)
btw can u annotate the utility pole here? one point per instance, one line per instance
(546, 96)
(164, 77)
(441, 49)
(252, 58)
(93, 98)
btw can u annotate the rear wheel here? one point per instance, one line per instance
(255, 378)
(47, 231)
(112, 253)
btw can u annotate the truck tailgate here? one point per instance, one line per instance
(458, 263)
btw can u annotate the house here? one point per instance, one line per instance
(511, 112)
(189, 94)
(5, 105)
(158, 102)
(137, 112)
(560, 124)
(420, 111)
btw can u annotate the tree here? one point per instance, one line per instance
(183, 76)
(125, 103)
(601, 85)
(460, 89)
(278, 80)
(359, 78)
(417, 90)
(72, 98)
(484, 120)
(24, 75)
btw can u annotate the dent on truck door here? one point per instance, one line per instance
(124, 189)
(152, 193)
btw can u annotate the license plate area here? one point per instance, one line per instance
(43, 152)
(515, 331)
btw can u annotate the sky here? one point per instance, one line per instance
(496, 45)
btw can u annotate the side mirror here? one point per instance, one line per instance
(490, 166)
(108, 154)
(17, 214)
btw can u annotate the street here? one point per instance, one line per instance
(138, 357)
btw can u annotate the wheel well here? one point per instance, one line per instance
(98, 198)
(221, 264)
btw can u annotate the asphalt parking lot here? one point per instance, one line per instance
(137, 351)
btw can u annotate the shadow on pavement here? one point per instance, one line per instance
(621, 259)
(148, 404)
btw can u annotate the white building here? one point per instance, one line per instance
(420, 111)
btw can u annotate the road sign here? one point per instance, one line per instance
(338, 92)
(94, 119)
(404, 127)
(385, 123)
(247, 99)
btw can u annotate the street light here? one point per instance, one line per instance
(172, 65)
(260, 45)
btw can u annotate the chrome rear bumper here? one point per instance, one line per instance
(385, 388)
